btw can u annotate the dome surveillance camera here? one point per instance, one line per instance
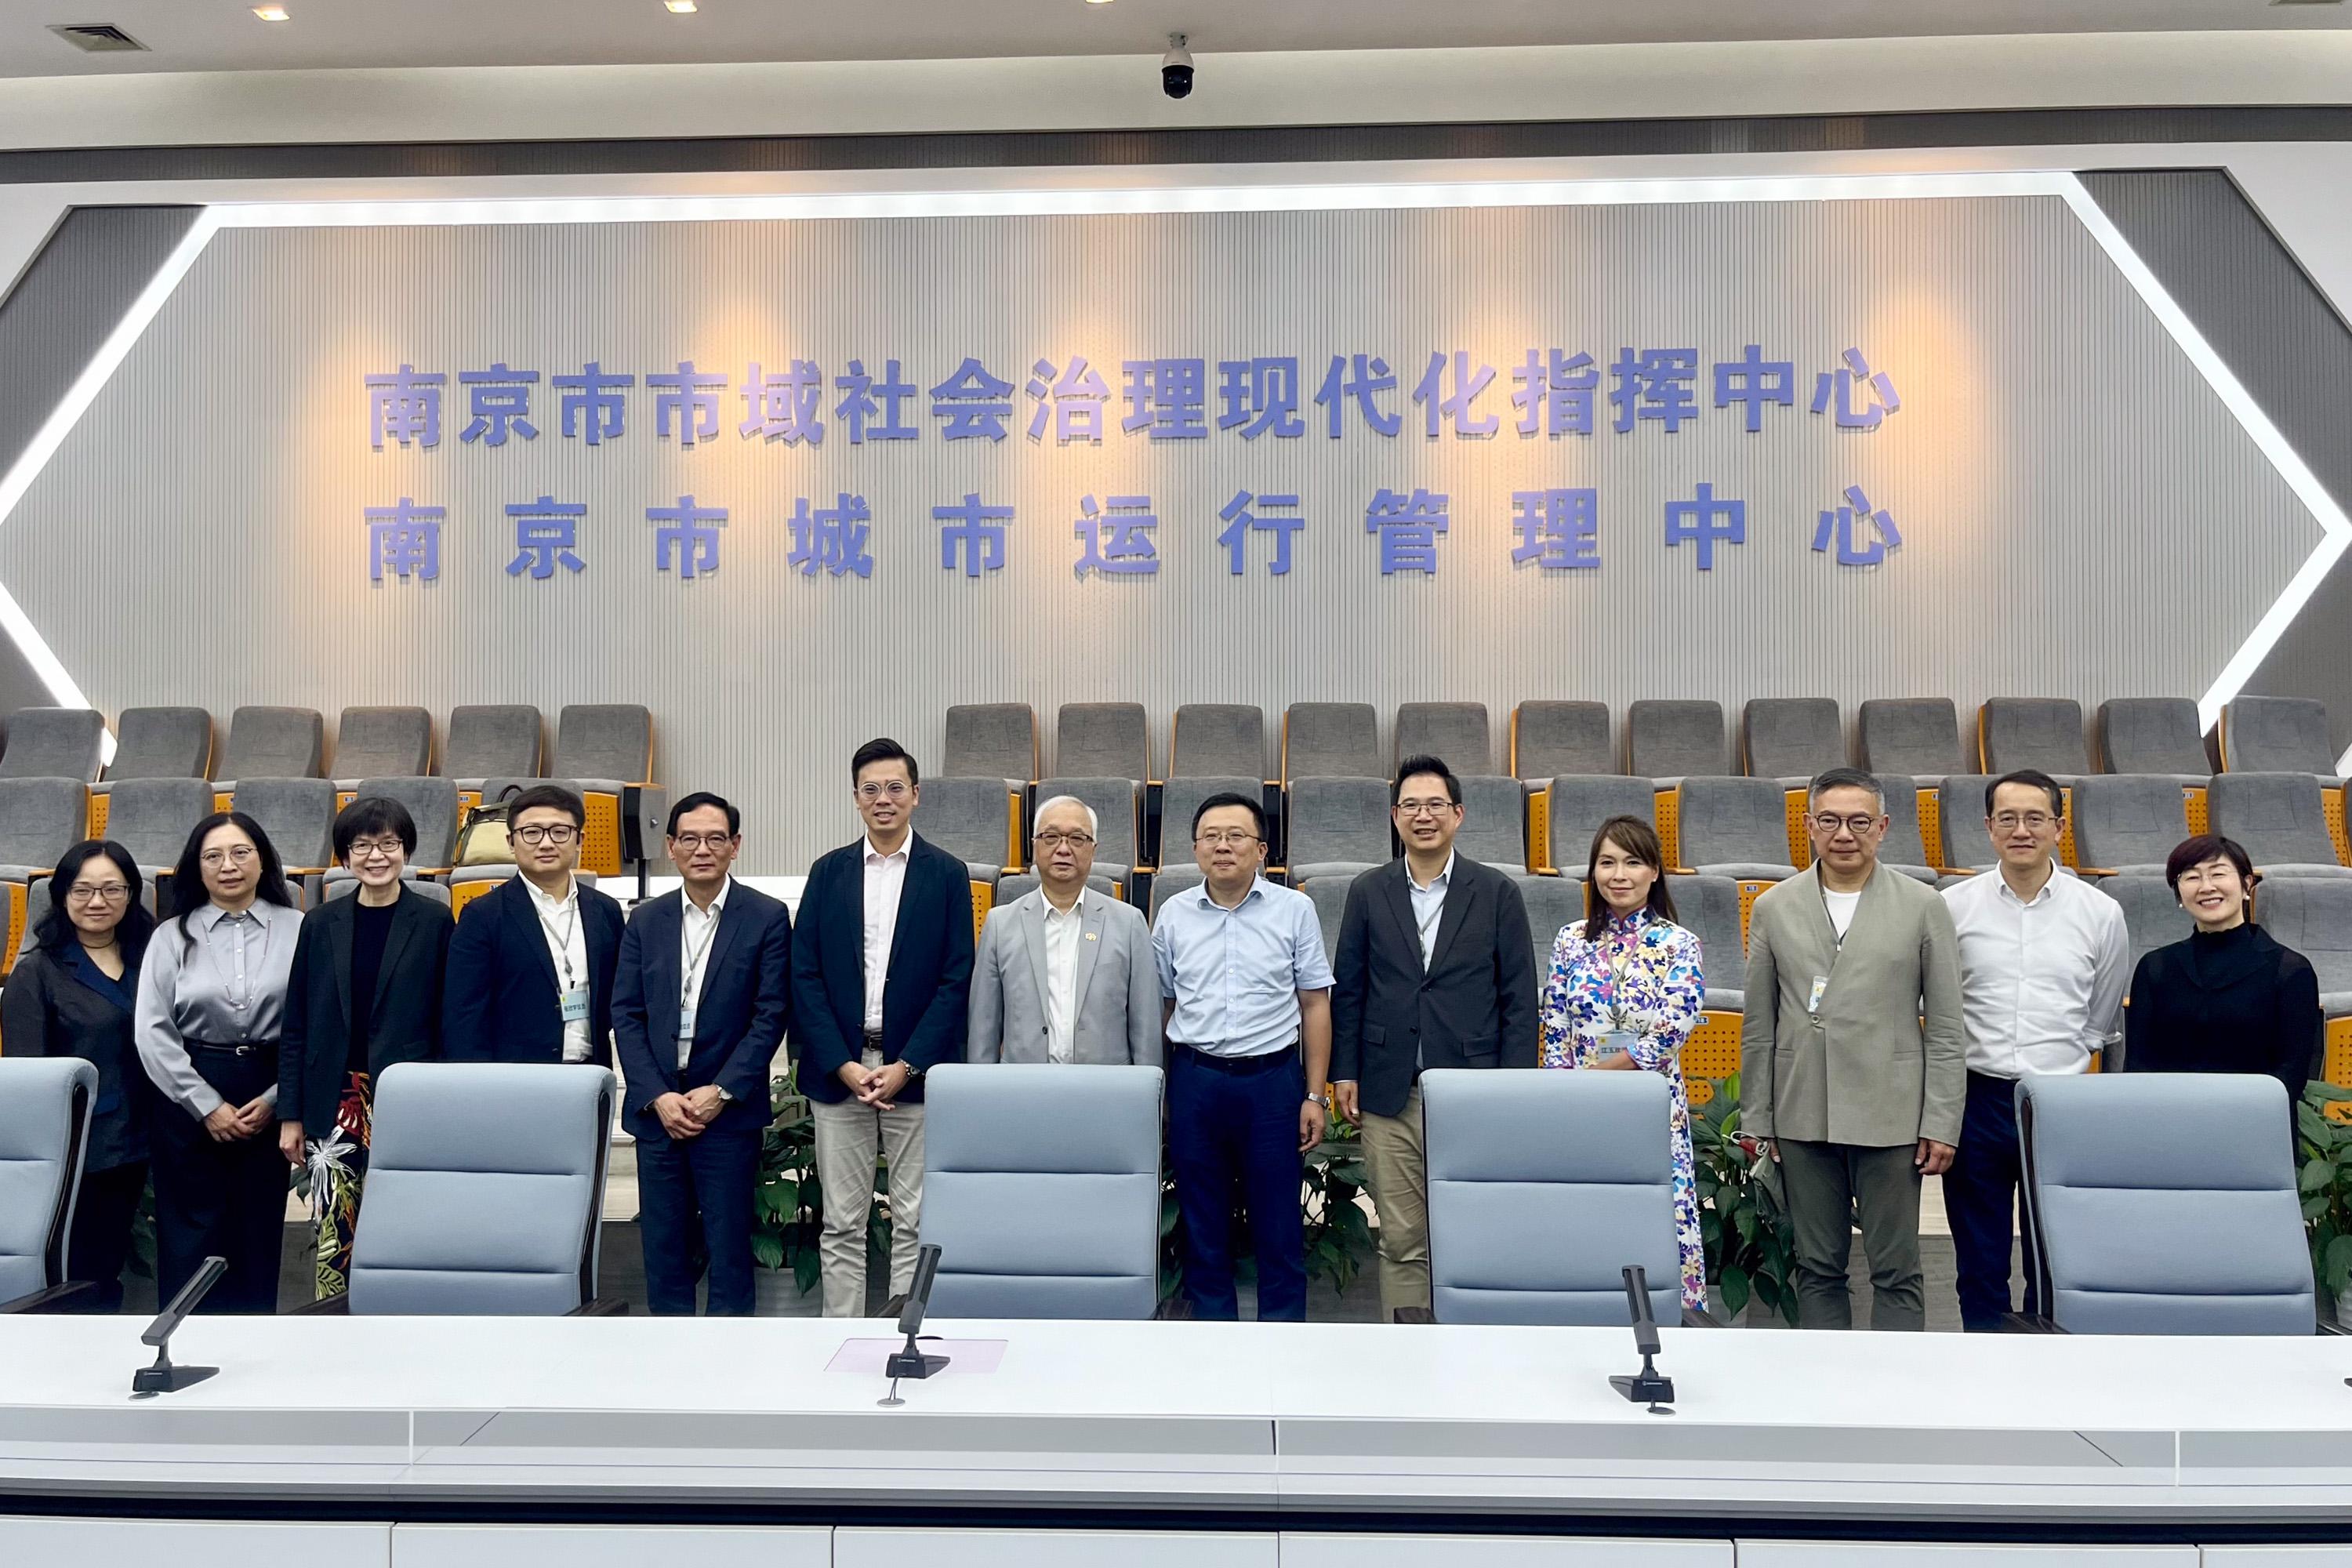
(1176, 69)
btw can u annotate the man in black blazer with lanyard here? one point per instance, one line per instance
(530, 965)
(881, 974)
(1435, 969)
(700, 1004)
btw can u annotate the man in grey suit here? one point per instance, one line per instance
(1065, 973)
(1853, 1056)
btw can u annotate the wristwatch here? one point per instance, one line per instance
(724, 1098)
(1322, 1100)
(913, 1072)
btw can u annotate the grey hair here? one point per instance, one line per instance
(1094, 825)
(1845, 778)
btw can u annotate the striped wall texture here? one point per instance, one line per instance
(2080, 515)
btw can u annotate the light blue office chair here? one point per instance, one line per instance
(1041, 1187)
(44, 1110)
(2164, 1204)
(485, 1193)
(1543, 1186)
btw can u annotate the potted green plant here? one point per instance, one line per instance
(787, 1208)
(1750, 1247)
(2323, 1147)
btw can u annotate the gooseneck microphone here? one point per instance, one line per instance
(163, 1377)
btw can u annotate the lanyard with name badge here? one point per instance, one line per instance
(574, 999)
(1822, 982)
(688, 995)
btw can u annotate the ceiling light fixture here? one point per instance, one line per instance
(273, 13)
(678, 8)
(1097, 2)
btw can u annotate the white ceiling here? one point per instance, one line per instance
(224, 34)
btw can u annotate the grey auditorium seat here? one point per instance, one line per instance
(1552, 902)
(1667, 741)
(432, 804)
(491, 741)
(1575, 806)
(990, 739)
(2152, 915)
(1041, 1188)
(2153, 735)
(2278, 818)
(1494, 823)
(382, 742)
(1338, 826)
(44, 1110)
(1102, 740)
(1735, 828)
(454, 1142)
(298, 815)
(341, 883)
(161, 743)
(1968, 843)
(1791, 739)
(1179, 799)
(2313, 915)
(272, 743)
(2045, 734)
(1708, 907)
(1115, 834)
(2127, 822)
(2164, 1204)
(1550, 738)
(970, 818)
(40, 819)
(52, 743)
(1217, 740)
(152, 817)
(1166, 883)
(1329, 897)
(1023, 884)
(1542, 1187)
(1919, 736)
(1904, 850)
(607, 749)
(2277, 735)
(1457, 733)
(1331, 740)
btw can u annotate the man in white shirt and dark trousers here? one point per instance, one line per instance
(700, 1003)
(881, 974)
(2044, 958)
(1065, 973)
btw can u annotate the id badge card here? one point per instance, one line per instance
(685, 1021)
(1617, 1043)
(1814, 998)
(575, 1005)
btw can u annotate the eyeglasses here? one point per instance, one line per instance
(1056, 840)
(236, 855)
(894, 790)
(109, 893)
(1857, 826)
(535, 836)
(2198, 876)
(363, 849)
(2011, 821)
(1423, 807)
(1214, 840)
(690, 842)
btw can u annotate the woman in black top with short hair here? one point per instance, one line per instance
(73, 996)
(365, 992)
(2230, 998)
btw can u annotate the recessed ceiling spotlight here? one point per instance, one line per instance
(273, 13)
(1097, 2)
(678, 8)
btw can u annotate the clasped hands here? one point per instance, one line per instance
(690, 1114)
(877, 1087)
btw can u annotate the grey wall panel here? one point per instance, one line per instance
(2290, 348)
(2055, 461)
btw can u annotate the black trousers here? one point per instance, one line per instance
(697, 1191)
(104, 1208)
(1979, 1195)
(220, 1200)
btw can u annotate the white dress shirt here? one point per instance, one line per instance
(886, 878)
(1062, 978)
(697, 929)
(567, 944)
(1429, 905)
(1841, 908)
(2041, 982)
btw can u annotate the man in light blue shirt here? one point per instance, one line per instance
(1247, 994)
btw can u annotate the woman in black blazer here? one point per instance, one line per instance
(73, 996)
(365, 992)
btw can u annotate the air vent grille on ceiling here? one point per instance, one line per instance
(98, 37)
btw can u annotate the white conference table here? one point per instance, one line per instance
(1248, 1425)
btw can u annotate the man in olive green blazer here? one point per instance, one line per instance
(1852, 1057)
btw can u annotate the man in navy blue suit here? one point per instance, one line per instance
(881, 972)
(530, 965)
(699, 1006)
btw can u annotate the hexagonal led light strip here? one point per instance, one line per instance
(2335, 527)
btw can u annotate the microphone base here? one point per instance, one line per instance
(167, 1378)
(1647, 1386)
(913, 1363)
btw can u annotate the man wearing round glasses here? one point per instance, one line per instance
(1065, 973)
(1852, 1055)
(530, 965)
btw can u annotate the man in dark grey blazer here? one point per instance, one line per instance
(1852, 1067)
(1065, 973)
(1434, 969)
